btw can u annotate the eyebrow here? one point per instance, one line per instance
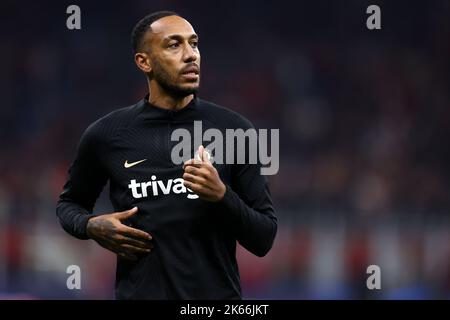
(179, 37)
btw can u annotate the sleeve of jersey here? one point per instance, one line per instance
(249, 203)
(85, 182)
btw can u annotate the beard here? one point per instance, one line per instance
(168, 83)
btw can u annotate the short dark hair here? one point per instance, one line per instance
(143, 26)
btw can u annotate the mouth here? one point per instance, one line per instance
(191, 72)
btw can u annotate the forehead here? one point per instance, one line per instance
(171, 25)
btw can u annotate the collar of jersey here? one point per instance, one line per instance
(150, 111)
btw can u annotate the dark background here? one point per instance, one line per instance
(364, 125)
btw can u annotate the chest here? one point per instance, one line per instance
(146, 160)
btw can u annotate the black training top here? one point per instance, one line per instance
(194, 254)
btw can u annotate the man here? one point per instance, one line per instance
(175, 227)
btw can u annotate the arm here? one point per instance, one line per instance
(247, 200)
(74, 209)
(84, 184)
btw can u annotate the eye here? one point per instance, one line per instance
(194, 44)
(174, 45)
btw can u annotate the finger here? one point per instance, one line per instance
(127, 256)
(192, 162)
(196, 164)
(202, 172)
(132, 249)
(115, 248)
(134, 242)
(188, 162)
(189, 185)
(196, 188)
(126, 214)
(194, 179)
(191, 169)
(206, 156)
(136, 233)
(200, 152)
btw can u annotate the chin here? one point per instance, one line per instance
(184, 91)
(190, 89)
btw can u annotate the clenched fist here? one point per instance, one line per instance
(202, 178)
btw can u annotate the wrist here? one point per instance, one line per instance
(90, 227)
(222, 192)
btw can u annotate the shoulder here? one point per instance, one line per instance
(110, 123)
(224, 116)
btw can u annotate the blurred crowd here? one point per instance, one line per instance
(364, 118)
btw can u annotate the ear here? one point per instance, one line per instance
(143, 62)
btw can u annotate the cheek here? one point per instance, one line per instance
(169, 64)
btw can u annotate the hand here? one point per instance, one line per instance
(109, 231)
(202, 178)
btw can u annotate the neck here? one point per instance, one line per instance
(162, 99)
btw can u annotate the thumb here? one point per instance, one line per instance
(200, 153)
(206, 156)
(123, 215)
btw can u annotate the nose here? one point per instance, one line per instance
(190, 54)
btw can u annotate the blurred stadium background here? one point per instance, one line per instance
(364, 123)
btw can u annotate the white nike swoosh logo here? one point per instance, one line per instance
(129, 165)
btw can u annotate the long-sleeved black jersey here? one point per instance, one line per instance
(194, 254)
